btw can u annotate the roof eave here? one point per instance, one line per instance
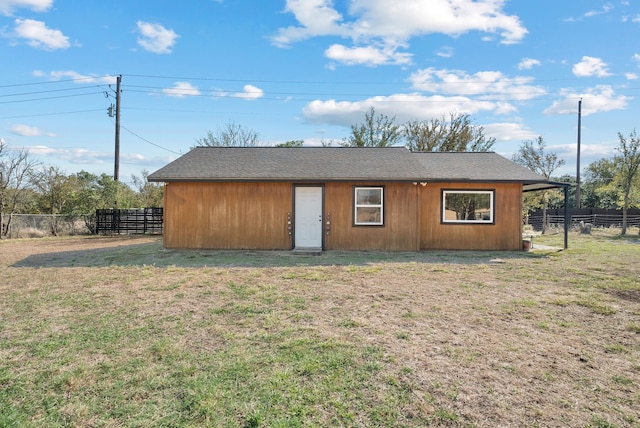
(280, 179)
(526, 183)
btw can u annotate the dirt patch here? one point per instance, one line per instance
(24, 247)
(631, 295)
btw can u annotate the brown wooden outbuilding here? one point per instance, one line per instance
(390, 199)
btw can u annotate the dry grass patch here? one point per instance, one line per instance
(119, 332)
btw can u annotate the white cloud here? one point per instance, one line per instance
(73, 155)
(366, 55)
(406, 19)
(597, 151)
(598, 99)
(631, 76)
(636, 58)
(316, 18)
(483, 84)
(590, 66)
(379, 23)
(75, 76)
(451, 91)
(182, 89)
(508, 131)
(249, 92)
(28, 131)
(445, 52)
(591, 13)
(528, 64)
(39, 36)
(8, 6)
(155, 38)
(83, 157)
(605, 9)
(404, 107)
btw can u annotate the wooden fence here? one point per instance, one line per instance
(594, 216)
(136, 221)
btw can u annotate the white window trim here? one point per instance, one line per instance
(491, 194)
(356, 206)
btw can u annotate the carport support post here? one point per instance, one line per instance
(567, 217)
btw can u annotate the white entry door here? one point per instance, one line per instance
(308, 217)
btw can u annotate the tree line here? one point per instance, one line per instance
(609, 183)
(455, 133)
(26, 186)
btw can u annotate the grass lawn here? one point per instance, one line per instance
(118, 332)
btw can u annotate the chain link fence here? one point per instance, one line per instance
(16, 226)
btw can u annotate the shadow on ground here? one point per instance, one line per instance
(131, 252)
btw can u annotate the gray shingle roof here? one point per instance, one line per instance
(338, 164)
(473, 166)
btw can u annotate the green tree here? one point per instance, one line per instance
(85, 198)
(598, 188)
(94, 192)
(149, 194)
(532, 155)
(55, 191)
(556, 196)
(231, 135)
(114, 194)
(53, 187)
(378, 130)
(291, 143)
(457, 134)
(627, 165)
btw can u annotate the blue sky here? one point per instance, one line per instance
(308, 69)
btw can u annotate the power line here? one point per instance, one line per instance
(216, 79)
(225, 92)
(49, 98)
(43, 92)
(149, 142)
(51, 82)
(51, 114)
(286, 81)
(297, 95)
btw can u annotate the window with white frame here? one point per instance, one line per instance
(468, 206)
(368, 206)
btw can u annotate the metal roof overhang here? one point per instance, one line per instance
(544, 185)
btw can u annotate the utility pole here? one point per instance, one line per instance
(116, 168)
(578, 162)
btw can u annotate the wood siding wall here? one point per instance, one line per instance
(400, 230)
(255, 216)
(227, 215)
(504, 234)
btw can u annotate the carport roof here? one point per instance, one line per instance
(314, 164)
